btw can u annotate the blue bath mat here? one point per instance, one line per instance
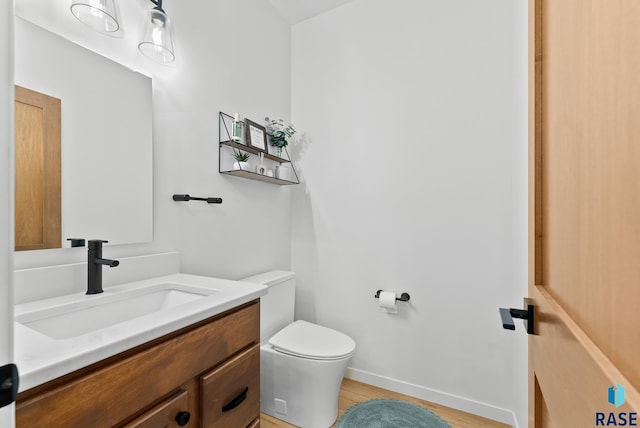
(387, 413)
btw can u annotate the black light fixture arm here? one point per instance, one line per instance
(158, 4)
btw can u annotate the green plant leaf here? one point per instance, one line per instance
(241, 156)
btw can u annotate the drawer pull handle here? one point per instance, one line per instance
(182, 418)
(236, 401)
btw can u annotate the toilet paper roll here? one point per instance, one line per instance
(387, 302)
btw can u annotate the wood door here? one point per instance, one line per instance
(584, 191)
(37, 171)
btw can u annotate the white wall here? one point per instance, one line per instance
(520, 220)
(6, 196)
(234, 57)
(414, 114)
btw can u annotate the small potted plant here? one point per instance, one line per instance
(279, 133)
(241, 160)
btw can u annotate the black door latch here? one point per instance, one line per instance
(507, 316)
(9, 382)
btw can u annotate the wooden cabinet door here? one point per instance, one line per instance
(37, 171)
(584, 212)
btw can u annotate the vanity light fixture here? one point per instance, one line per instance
(97, 14)
(156, 41)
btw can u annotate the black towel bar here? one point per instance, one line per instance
(187, 198)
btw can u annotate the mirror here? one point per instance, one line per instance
(106, 135)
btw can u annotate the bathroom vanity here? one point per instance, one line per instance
(194, 364)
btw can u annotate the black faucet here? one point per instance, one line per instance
(94, 266)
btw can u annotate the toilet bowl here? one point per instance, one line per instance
(301, 364)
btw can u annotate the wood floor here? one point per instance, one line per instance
(353, 392)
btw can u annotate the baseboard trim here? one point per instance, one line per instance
(459, 403)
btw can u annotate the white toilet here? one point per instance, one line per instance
(301, 364)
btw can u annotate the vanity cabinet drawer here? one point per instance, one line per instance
(231, 392)
(171, 413)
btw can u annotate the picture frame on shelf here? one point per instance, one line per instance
(256, 135)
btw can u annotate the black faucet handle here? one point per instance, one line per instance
(76, 242)
(96, 243)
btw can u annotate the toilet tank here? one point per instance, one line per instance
(277, 306)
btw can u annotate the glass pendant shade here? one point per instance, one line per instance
(156, 42)
(97, 14)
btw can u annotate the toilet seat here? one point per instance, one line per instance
(306, 340)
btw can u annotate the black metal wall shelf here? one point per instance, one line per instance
(254, 151)
(227, 147)
(259, 177)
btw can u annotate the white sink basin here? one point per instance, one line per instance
(100, 311)
(58, 335)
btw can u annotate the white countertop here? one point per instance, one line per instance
(41, 358)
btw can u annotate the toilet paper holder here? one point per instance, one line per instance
(404, 297)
